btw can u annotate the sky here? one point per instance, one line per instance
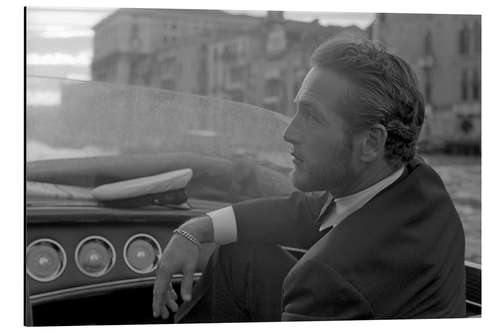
(59, 40)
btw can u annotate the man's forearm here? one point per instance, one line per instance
(284, 220)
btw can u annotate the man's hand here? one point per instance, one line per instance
(180, 256)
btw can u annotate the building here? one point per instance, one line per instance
(180, 67)
(445, 53)
(128, 37)
(283, 61)
(256, 60)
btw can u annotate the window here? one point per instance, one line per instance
(112, 72)
(168, 84)
(464, 86)
(476, 86)
(274, 87)
(428, 91)
(237, 95)
(167, 65)
(101, 76)
(428, 44)
(463, 43)
(477, 37)
(237, 73)
(229, 53)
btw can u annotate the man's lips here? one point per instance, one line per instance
(296, 157)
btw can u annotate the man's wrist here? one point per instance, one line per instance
(189, 237)
(201, 228)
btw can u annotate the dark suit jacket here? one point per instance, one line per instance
(399, 256)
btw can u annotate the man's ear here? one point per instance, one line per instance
(373, 144)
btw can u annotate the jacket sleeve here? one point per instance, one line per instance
(315, 291)
(285, 220)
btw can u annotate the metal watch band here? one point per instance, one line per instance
(188, 236)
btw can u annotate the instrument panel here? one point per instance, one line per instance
(72, 253)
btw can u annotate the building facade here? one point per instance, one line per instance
(129, 36)
(445, 53)
(255, 60)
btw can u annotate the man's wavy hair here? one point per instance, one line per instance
(385, 92)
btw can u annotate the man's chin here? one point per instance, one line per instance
(300, 181)
(306, 183)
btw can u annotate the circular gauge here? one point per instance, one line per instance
(45, 260)
(95, 256)
(141, 253)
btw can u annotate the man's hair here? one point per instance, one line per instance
(386, 92)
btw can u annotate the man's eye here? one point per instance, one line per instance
(311, 117)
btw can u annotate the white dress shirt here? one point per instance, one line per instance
(224, 221)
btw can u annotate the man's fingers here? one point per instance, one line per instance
(178, 254)
(174, 294)
(170, 298)
(157, 303)
(158, 297)
(164, 312)
(187, 285)
(170, 301)
(162, 281)
(166, 302)
(160, 288)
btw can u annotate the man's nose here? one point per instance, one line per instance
(292, 132)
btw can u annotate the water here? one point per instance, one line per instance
(462, 178)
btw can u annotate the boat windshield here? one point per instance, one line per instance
(89, 133)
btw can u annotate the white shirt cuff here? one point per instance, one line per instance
(224, 223)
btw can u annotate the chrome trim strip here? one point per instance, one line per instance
(125, 248)
(149, 279)
(59, 247)
(472, 303)
(294, 249)
(113, 255)
(472, 264)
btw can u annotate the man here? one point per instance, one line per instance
(384, 240)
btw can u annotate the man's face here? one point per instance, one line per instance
(322, 152)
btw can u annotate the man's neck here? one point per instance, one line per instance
(364, 180)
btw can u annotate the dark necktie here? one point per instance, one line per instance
(326, 211)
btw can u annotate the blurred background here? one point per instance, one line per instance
(261, 58)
